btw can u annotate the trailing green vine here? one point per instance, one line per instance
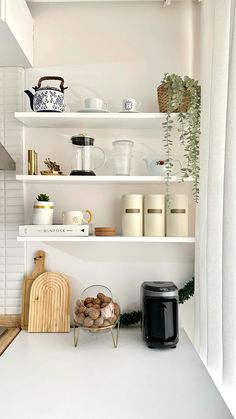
(183, 92)
(134, 317)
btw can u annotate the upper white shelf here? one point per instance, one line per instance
(96, 180)
(91, 120)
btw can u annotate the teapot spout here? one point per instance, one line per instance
(146, 161)
(31, 98)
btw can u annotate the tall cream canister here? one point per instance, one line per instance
(154, 215)
(132, 215)
(177, 216)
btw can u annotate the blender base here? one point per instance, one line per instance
(82, 173)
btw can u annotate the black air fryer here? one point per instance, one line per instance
(160, 314)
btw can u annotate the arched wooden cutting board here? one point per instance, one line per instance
(49, 304)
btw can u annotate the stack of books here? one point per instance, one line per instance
(55, 230)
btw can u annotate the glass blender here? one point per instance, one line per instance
(83, 156)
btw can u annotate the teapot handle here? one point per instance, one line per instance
(53, 78)
(178, 171)
(104, 157)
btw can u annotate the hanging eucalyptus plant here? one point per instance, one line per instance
(182, 95)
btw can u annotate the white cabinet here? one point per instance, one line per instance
(16, 34)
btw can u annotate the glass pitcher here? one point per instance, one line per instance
(83, 156)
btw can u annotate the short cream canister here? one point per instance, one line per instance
(177, 216)
(154, 215)
(132, 215)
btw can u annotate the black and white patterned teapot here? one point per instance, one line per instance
(47, 99)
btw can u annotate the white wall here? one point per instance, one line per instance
(110, 50)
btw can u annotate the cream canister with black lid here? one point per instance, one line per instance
(132, 215)
(154, 215)
(177, 216)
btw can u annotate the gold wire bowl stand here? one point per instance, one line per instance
(114, 329)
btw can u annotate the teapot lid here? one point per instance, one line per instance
(82, 139)
(47, 88)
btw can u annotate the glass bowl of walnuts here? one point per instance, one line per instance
(97, 311)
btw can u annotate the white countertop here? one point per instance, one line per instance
(43, 376)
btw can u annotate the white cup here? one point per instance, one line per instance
(76, 217)
(130, 105)
(94, 103)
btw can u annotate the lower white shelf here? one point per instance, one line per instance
(109, 239)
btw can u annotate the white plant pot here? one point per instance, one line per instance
(43, 212)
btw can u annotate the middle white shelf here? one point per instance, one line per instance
(95, 180)
(109, 239)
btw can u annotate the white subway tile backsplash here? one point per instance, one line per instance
(14, 276)
(14, 285)
(2, 251)
(13, 302)
(12, 294)
(14, 209)
(14, 244)
(11, 234)
(11, 184)
(14, 201)
(11, 192)
(14, 217)
(12, 310)
(17, 251)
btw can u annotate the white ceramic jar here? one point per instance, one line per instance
(43, 213)
(177, 216)
(132, 215)
(154, 215)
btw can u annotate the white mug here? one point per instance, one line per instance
(76, 217)
(130, 105)
(94, 103)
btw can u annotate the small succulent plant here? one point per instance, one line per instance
(43, 197)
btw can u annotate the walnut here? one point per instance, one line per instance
(79, 319)
(98, 322)
(101, 296)
(88, 300)
(97, 306)
(88, 322)
(76, 310)
(93, 313)
(106, 299)
(96, 301)
(82, 309)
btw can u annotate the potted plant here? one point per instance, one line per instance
(43, 210)
(182, 95)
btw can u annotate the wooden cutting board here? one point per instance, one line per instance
(39, 261)
(49, 304)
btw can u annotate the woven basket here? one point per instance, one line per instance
(162, 95)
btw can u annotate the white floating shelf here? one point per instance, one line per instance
(91, 120)
(107, 239)
(95, 180)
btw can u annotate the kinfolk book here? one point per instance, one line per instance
(59, 230)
